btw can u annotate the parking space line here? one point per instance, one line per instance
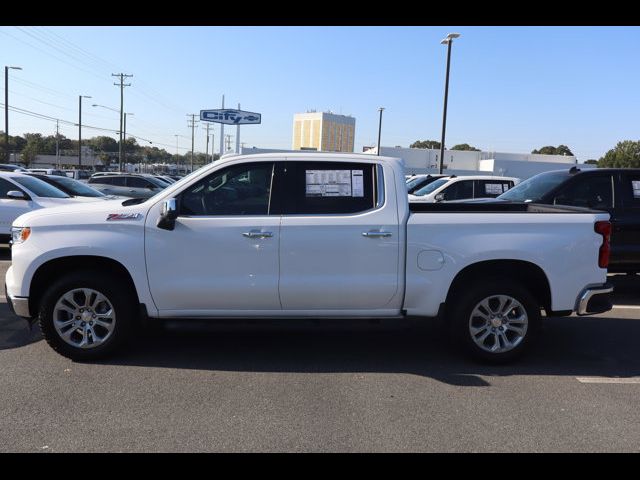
(630, 307)
(608, 380)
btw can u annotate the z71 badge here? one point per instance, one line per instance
(124, 216)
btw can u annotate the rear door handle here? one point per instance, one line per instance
(376, 234)
(257, 234)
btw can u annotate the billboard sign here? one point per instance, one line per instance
(230, 116)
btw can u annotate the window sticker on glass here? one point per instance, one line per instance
(636, 188)
(357, 182)
(328, 183)
(493, 188)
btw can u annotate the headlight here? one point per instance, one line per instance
(19, 234)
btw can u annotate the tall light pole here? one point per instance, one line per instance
(80, 97)
(381, 109)
(6, 108)
(446, 41)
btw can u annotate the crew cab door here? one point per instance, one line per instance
(222, 255)
(339, 239)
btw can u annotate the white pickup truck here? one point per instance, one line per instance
(307, 235)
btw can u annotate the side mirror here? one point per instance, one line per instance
(167, 220)
(439, 197)
(17, 195)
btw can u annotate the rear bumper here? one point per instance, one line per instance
(595, 299)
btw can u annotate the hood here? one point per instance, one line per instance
(77, 212)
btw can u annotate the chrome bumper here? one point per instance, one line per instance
(595, 299)
(19, 305)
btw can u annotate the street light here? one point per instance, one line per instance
(80, 97)
(117, 111)
(6, 108)
(379, 128)
(446, 41)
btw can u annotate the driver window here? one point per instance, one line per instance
(589, 192)
(237, 190)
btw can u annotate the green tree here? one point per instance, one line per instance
(465, 147)
(33, 148)
(551, 150)
(425, 144)
(591, 161)
(625, 154)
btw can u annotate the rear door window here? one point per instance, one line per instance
(327, 187)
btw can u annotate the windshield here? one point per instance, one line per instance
(73, 187)
(534, 188)
(413, 182)
(433, 186)
(40, 188)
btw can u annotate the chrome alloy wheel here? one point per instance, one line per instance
(498, 323)
(84, 318)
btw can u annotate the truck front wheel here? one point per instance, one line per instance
(495, 321)
(87, 315)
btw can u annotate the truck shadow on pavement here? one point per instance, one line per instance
(568, 346)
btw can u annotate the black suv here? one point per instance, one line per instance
(614, 190)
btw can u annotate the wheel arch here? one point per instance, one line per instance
(49, 270)
(528, 274)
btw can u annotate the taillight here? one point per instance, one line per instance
(604, 229)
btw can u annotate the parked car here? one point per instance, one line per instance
(614, 190)
(81, 175)
(10, 167)
(416, 182)
(71, 187)
(457, 188)
(165, 178)
(47, 171)
(311, 236)
(130, 185)
(21, 193)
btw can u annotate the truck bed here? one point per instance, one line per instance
(497, 207)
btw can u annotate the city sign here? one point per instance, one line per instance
(230, 116)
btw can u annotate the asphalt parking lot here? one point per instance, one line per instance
(198, 387)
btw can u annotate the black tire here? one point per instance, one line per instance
(123, 302)
(464, 305)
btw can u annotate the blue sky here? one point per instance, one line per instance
(511, 89)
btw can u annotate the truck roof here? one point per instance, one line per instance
(317, 156)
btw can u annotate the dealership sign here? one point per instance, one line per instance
(230, 116)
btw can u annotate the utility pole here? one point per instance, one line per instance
(57, 145)
(222, 133)
(238, 135)
(206, 153)
(381, 109)
(213, 136)
(193, 128)
(122, 85)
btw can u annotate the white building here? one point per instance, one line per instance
(458, 162)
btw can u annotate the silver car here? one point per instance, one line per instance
(127, 185)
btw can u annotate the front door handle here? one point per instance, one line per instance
(257, 234)
(376, 234)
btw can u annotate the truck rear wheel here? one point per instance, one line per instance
(495, 321)
(87, 315)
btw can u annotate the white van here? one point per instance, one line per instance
(461, 188)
